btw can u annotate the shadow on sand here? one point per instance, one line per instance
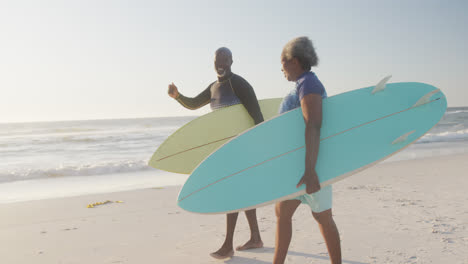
(270, 250)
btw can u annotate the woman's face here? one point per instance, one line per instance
(290, 68)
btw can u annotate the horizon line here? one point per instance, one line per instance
(126, 118)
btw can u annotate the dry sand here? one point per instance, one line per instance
(402, 212)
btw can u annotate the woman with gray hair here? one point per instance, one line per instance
(297, 59)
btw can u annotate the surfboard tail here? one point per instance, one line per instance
(425, 98)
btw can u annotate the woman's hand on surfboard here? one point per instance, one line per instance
(172, 91)
(310, 179)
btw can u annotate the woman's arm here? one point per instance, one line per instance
(312, 111)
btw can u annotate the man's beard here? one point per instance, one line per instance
(221, 72)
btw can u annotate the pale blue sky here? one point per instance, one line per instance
(64, 60)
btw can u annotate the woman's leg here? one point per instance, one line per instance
(330, 234)
(284, 212)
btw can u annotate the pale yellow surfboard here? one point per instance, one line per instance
(182, 151)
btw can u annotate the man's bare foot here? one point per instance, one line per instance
(222, 253)
(250, 244)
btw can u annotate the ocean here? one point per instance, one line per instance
(52, 159)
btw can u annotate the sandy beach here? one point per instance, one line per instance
(400, 212)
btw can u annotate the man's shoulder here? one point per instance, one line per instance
(236, 78)
(211, 85)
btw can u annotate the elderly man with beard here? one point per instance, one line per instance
(229, 89)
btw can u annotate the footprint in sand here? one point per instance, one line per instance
(70, 229)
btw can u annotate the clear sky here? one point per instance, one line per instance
(68, 60)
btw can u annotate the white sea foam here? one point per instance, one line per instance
(81, 148)
(74, 170)
(457, 112)
(446, 136)
(101, 147)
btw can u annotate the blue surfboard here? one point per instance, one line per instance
(359, 128)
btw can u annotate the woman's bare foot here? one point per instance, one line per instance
(250, 244)
(222, 253)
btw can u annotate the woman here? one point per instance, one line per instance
(297, 58)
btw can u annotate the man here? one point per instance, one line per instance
(229, 89)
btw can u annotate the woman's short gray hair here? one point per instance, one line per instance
(303, 50)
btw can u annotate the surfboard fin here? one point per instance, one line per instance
(381, 85)
(402, 138)
(426, 98)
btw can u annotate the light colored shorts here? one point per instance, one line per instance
(319, 201)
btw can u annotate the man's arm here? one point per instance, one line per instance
(191, 103)
(247, 96)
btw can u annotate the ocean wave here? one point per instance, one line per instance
(84, 141)
(456, 112)
(46, 132)
(96, 134)
(445, 136)
(75, 170)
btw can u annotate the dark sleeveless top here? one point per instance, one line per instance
(224, 92)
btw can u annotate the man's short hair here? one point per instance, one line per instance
(224, 50)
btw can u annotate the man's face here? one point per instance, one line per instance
(222, 64)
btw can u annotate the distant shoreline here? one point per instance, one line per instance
(96, 120)
(456, 108)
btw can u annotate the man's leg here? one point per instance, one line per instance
(284, 212)
(255, 239)
(227, 249)
(330, 234)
